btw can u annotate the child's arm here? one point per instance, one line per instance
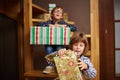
(56, 25)
(44, 24)
(73, 28)
(88, 71)
(61, 52)
(82, 65)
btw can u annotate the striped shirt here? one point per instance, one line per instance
(91, 71)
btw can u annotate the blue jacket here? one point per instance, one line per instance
(44, 24)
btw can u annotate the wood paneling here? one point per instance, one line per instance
(8, 49)
(11, 8)
(107, 55)
(94, 18)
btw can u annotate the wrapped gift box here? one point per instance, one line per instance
(50, 35)
(67, 67)
(51, 6)
(65, 16)
(45, 16)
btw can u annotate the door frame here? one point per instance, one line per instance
(107, 40)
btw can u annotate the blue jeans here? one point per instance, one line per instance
(52, 48)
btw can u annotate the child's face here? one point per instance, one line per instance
(57, 14)
(78, 48)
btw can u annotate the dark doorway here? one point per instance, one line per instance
(8, 48)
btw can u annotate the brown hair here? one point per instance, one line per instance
(79, 37)
(57, 7)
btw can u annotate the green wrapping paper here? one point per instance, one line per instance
(67, 67)
(49, 35)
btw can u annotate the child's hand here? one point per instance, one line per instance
(61, 52)
(82, 65)
(51, 25)
(57, 25)
(62, 25)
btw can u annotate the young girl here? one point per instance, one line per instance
(56, 21)
(79, 44)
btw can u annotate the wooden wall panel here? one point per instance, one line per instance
(107, 55)
(94, 18)
(10, 8)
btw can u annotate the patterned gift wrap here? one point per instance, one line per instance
(67, 67)
(50, 35)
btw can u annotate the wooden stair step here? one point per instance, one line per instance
(38, 73)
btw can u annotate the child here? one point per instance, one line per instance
(56, 21)
(79, 44)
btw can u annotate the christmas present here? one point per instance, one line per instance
(67, 67)
(65, 16)
(51, 6)
(47, 16)
(49, 35)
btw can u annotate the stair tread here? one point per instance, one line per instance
(38, 73)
